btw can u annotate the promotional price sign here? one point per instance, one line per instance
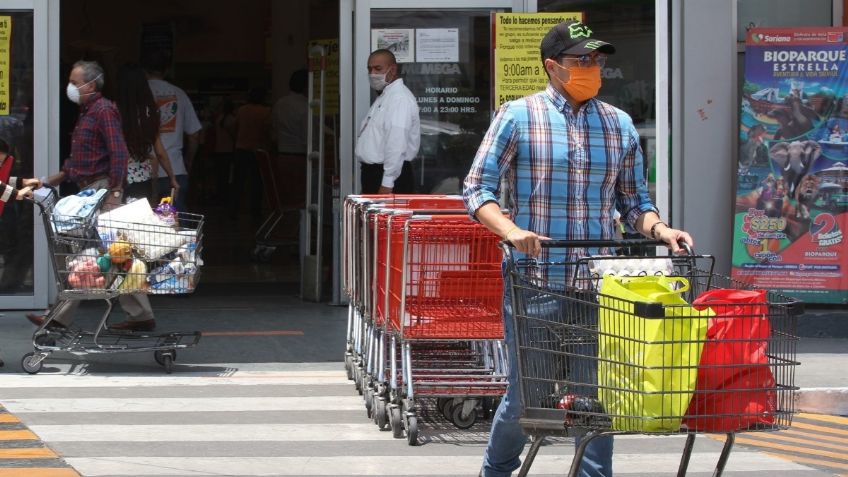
(518, 69)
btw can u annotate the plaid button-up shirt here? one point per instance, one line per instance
(97, 144)
(565, 172)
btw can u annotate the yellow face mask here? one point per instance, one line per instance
(583, 82)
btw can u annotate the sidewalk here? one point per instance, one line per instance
(823, 353)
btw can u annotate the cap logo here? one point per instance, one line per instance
(594, 44)
(576, 30)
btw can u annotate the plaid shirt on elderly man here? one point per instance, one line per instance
(98, 148)
(565, 172)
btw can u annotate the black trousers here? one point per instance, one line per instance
(372, 176)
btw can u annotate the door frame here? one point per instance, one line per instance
(44, 40)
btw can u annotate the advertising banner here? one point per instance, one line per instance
(518, 67)
(5, 66)
(792, 184)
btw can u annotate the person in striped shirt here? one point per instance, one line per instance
(568, 161)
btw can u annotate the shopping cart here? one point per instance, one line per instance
(590, 362)
(358, 259)
(443, 295)
(101, 258)
(281, 203)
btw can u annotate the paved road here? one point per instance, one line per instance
(281, 419)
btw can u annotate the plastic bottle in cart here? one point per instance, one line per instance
(166, 211)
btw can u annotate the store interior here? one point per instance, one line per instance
(220, 52)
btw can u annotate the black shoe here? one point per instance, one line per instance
(38, 320)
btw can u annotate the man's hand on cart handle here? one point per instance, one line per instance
(672, 238)
(525, 241)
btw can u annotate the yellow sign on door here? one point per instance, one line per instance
(518, 65)
(5, 67)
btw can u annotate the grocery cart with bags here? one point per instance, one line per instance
(611, 345)
(131, 249)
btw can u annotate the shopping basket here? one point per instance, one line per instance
(601, 364)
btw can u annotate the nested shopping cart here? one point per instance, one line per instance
(595, 360)
(358, 259)
(101, 257)
(373, 229)
(443, 298)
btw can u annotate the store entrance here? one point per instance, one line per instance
(224, 55)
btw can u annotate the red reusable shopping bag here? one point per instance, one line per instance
(735, 386)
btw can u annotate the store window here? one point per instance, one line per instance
(16, 129)
(629, 78)
(445, 59)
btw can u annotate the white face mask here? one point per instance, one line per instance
(74, 93)
(377, 81)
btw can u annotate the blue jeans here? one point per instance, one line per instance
(164, 186)
(507, 439)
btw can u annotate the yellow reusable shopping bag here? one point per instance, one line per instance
(647, 367)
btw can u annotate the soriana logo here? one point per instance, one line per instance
(835, 37)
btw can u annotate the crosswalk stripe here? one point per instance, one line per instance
(17, 435)
(816, 436)
(806, 460)
(209, 404)
(813, 427)
(38, 472)
(821, 417)
(27, 453)
(807, 442)
(210, 433)
(805, 450)
(406, 465)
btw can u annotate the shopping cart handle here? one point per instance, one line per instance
(595, 243)
(52, 191)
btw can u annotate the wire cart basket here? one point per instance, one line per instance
(98, 257)
(593, 361)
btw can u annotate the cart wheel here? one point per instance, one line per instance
(32, 362)
(349, 367)
(445, 408)
(168, 363)
(459, 421)
(380, 415)
(369, 401)
(356, 381)
(396, 422)
(159, 356)
(412, 430)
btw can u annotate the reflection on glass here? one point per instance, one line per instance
(629, 76)
(16, 223)
(449, 72)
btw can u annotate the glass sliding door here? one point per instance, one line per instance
(446, 63)
(23, 39)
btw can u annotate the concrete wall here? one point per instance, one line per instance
(704, 125)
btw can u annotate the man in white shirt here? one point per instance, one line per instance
(176, 118)
(391, 133)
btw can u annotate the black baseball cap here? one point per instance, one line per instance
(572, 38)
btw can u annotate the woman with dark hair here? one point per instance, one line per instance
(140, 123)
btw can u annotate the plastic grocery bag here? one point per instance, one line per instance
(647, 367)
(735, 388)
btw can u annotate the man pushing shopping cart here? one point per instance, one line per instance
(570, 160)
